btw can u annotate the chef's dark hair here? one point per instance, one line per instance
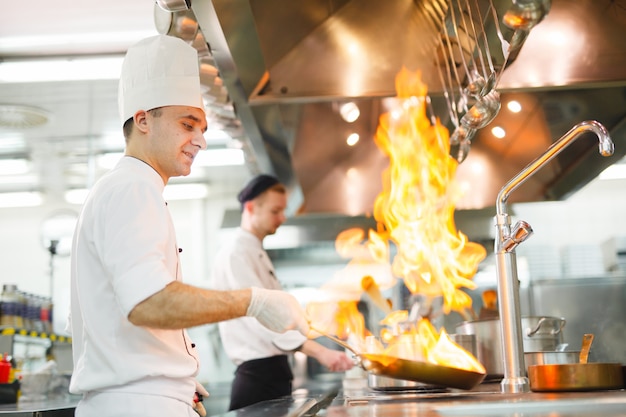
(257, 186)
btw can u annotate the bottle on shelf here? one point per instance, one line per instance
(10, 306)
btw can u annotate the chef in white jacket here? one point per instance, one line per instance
(129, 306)
(263, 371)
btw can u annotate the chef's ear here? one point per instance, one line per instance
(140, 118)
(248, 206)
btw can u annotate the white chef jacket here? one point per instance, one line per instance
(243, 263)
(124, 251)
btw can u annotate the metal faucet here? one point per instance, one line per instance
(507, 240)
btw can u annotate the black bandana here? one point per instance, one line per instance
(256, 187)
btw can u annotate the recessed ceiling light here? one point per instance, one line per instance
(498, 132)
(353, 139)
(514, 106)
(349, 112)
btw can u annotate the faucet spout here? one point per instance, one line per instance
(606, 148)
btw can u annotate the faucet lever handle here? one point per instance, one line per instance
(520, 232)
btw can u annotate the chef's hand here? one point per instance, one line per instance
(277, 310)
(336, 361)
(200, 394)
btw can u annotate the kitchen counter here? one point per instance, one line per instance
(59, 407)
(355, 399)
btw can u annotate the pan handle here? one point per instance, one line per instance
(366, 365)
(335, 339)
(532, 332)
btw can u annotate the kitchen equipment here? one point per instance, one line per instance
(551, 357)
(541, 333)
(466, 341)
(411, 370)
(582, 376)
(385, 383)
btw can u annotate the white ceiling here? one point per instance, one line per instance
(83, 114)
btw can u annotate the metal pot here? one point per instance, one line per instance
(540, 333)
(551, 357)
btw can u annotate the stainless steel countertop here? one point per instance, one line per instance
(60, 407)
(485, 400)
(353, 398)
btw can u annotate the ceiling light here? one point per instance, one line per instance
(19, 117)
(57, 69)
(21, 199)
(12, 45)
(353, 139)
(514, 106)
(498, 132)
(349, 112)
(14, 166)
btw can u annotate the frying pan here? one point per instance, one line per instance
(411, 370)
(580, 376)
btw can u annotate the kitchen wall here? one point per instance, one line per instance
(590, 217)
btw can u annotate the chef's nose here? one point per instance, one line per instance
(199, 140)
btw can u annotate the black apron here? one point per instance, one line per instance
(259, 380)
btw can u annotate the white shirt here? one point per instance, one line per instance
(124, 251)
(243, 263)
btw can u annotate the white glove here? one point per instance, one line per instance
(277, 310)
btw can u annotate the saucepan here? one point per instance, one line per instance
(581, 376)
(428, 373)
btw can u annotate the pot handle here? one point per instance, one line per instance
(531, 332)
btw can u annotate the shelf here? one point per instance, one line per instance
(11, 331)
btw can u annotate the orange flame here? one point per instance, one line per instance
(415, 211)
(416, 206)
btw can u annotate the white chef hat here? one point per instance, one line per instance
(159, 71)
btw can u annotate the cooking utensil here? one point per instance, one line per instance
(586, 346)
(541, 333)
(582, 376)
(385, 383)
(410, 370)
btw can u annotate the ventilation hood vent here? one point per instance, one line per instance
(288, 66)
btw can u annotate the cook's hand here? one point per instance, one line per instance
(201, 390)
(277, 310)
(200, 394)
(337, 361)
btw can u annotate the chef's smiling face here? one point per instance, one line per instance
(268, 212)
(175, 135)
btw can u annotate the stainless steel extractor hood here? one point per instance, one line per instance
(288, 66)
